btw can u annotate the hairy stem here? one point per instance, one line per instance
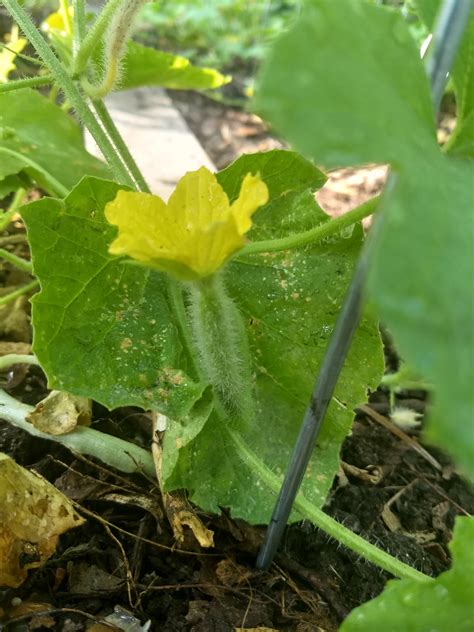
(64, 6)
(31, 82)
(79, 31)
(327, 524)
(120, 145)
(31, 60)
(114, 48)
(120, 454)
(7, 298)
(73, 95)
(94, 36)
(315, 234)
(18, 262)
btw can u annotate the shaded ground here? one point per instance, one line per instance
(123, 557)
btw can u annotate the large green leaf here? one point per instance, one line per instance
(342, 107)
(462, 141)
(105, 329)
(38, 138)
(442, 605)
(282, 172)
(290, 302)
(346, 85)
(145, 66)
(102, 329)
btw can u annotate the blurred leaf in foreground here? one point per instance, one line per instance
(441, 605)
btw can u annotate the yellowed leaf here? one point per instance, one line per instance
(33, 514)
(61, 412)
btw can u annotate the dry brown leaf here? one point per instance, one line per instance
(370, 474)
(60, 412)
(33, 514)
(230, 573)
(181, 514)
(392, 521)
(148, 503)
(178, 511)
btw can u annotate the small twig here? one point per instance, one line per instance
(391, 427)
(443, 494)
(172, 549)
(28, 82)
(127, 484)
(128, 572)
(43, 613)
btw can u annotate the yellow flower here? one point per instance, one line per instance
(7, 56)
(194, 234)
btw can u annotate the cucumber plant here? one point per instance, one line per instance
(214, 309)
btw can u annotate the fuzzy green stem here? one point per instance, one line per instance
(115, 452)
(7, 298)
(327, 524)
(27, 58)
(80, 30)
(115, 42)
(120, 145)
(6, 217)
(18, 262)
(222, 347)
(73, 95)
(405, 378)
(94, 36)
(31, 82)
(64, 6)
(11, 359)
(314, 234)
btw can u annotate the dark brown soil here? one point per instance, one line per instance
(314, 582)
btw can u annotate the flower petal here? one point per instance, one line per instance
(214, 246)
(253, 194)
(198, 200)
(143, 229)
(194, 234)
